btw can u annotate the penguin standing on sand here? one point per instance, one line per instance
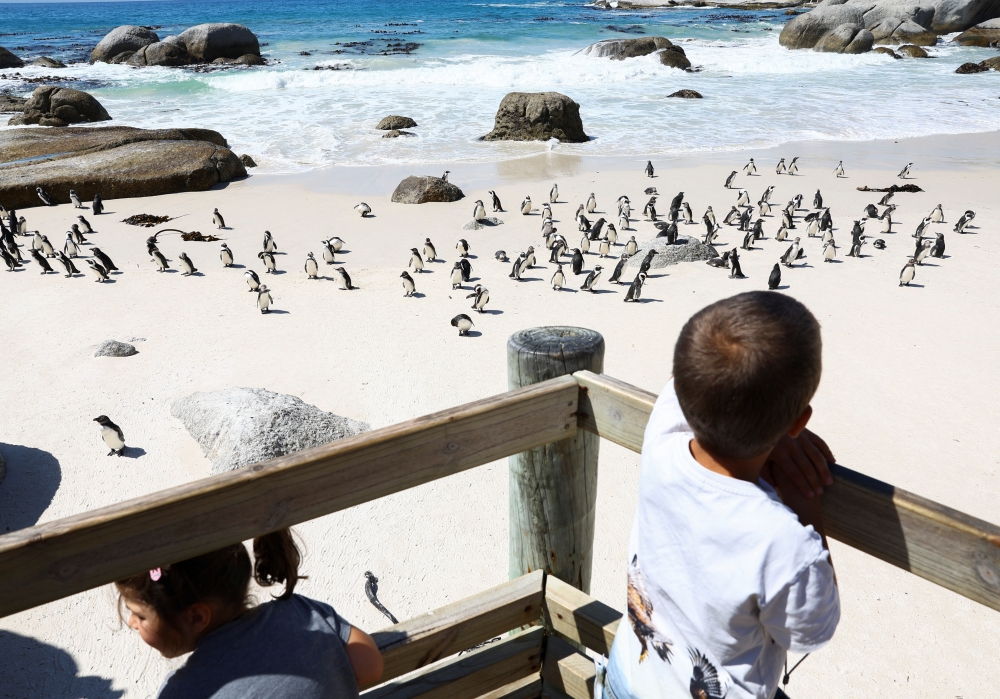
(46, 247)
(85, 225)
(922, 251)
(591, 281)
(635, 289)
(591, 203)
(526, 206)
(605, 248)
(774, 281)
(751, 168)
(329, 256)
(907, 274)
(631, 246)
(363, 209)
(99, 272)
(104, 260)
(77, 235)
(743, 198)
(467, 267)
(791, 254)
(44, 196)
(479, 211)
(311, 267)
(269, 244)
(345, 279)
(75, 200)
(9, 260)
(67, 264)
(463, 323)
(780, 169)
(817, 200)
(937, 214)
(480, 296)
(497, 206)
(217, 219)
(416, 262)
(409, 287)
(729, 180)
(839, 170)
(735, 271)
(112, 435)
(226, 255)
(938, 249)
(647, 261)
(829, 250)
(649, 168)
(186, 265)
(336, 243)
(70, 248)
(270, 267)
(577, 263)
(616, 275)
(158, 258)
(98, 206)
(585, 245)
(964, 221)
(554, 194)
(558, 279)
(515, 272)
(463, 247)
(793, 167)
(430, 253)
(905, 172)
(456, 276)
(264, 300)
(253, 281)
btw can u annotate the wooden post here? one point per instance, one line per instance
(553, 489)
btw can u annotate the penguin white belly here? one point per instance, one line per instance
(111, 438)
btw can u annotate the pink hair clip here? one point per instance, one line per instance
(155, 574)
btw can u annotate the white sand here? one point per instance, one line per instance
(909, 394)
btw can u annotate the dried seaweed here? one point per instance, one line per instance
(198, 237)
(911, 188)
(145, 220)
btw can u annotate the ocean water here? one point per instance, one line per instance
(448, 63)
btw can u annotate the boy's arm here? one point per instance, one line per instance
(805, 461)
(807, 509)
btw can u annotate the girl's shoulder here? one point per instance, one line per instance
(302, 611)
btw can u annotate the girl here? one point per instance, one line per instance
(290, 647)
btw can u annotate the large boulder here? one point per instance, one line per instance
(844, 26)
(983, 34)
(395, 123)
(684, 250)
(940, 16)
(537, 116)
(160, 54)
(619, 49)
(237, 427)
(10, 103)
(60, 106)
(116, 162)
(846, 38)
(912, 51)
(206, 42)
(895, 31)
(121, 39)
(420, 190)
(808, 30)
(9, 60)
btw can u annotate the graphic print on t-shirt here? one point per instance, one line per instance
(705, 682)
(640, 615)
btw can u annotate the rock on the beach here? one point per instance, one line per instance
(422, 189)
(984, 34)
(113, 348)
(395, 123)
(855, 26)
(938, 16)
(46, 62)
(396, 133)
(487, 222)
(969, 68)
(206, 42)
(118, 161)
(59, 106)
(619, 49)
(684, 250)
(912, 51)
(807, 30)
(9, 60)
(248, 161)
(893, 30)
(247, 59)
(160, 54)
(687, 94)
(9, 103)
(237, 427)
(537, 116)
(887, 51)
(121, 39)
(846, 38)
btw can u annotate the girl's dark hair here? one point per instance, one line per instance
(221, 576)
(745, 369)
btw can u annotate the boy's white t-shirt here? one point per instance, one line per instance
(722, 579)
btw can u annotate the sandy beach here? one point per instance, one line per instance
(909, 392)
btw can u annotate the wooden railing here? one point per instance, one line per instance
(61, 558)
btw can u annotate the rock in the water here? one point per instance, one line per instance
(487, 222)
(9, 103)
(984, 34)
(887, 51)
(938, 16)
(237, 427)
(893, 30)
(395, 123)
(118, 161)
(619, 49)
(59, 106)
(9, 60)
(684, 250)
(46, 62)
(247, 59)
(846, 38)
(687, 94)
(537, 116)
(248, 161)
(396, 133)
(991, 63)
(420, 190)
(160, 54)
(912, 51)
(113, 348)
(122, 57)
(206, 42)
(810, 29)
(121, 39)
(969, 68)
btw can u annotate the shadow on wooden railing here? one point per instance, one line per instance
(61, 558)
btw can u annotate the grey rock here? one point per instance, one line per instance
(122, 57)
(46, 62)
(113, 348)
(160, 54)
(395, 123)
(423, 189)
(206, 42)
(969, 68)
(9, 60)
(9, 103)
(807, 30)
(487, 222)
(893, 30)
(247, 59)
(687, 94)
(684, 250)
(537, 116)
(396, 133)
(237, 427)
(887, 51)
(248, 161)
(984, 34)
(173, 39)
(117, 161)
(940, 16)
(991, 63)
(912, 51)
(619, 49)
(59, 106)
(120, 39)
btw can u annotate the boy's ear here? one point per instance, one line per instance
(800, 424)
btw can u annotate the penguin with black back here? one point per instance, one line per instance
(98, 206)
(577, 261)
(42, 262)
(112, 435)
(635, 289)
(774, 281)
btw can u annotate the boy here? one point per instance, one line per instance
(724, 575)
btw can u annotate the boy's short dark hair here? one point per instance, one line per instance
(745, 368)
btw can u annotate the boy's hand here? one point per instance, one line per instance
(805, 461)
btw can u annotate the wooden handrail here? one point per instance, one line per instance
(57, 559)
(947, 547)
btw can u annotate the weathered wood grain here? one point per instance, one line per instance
(57, 559)
(471, 675)
(553, 488)
(529, 687)
(567, 670)
(947, 547)
(579, 617)
(424, 640)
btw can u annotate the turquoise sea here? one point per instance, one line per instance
(337, 68)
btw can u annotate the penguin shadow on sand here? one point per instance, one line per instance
(602, 291)
(34, 668)
(33, 477)
(473, 333)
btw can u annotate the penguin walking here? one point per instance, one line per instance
(70, 248)
(270, 267)
(409, 287)
(345, 279)
(554, 194)
(735, 270)
(774, 280)
(100, 273)
(67, 264)
(416, 262)
(729, 180)
(112, 435)
(75, 200)
(616, 275)
(839, 170)
(363, 209)
(647, 261)
(964, 221)
(430, 253)
(635, 289)
(463, 247)
(226, 255)
(649, 168)
(186, 265)
(311, 267)
(546, 212)
(264, 300)
(905, 172)
(46, 247)
(793, 167)
(938, 249)
(763, 207)
(456, 276)
(9, 260)
(497, 206)
(98, 205)
(463, 323)
(479, 211)
(77, 235)
(884, 201)
(631, 246)
(253, 281)
(217, 219)
(591, 281)
(732, 217)
(591, 203)
(84, 225)
(781, 169)
(269, 244)
(44, 196)
(159, 259)
(480, 296)
(751, 168)
(329, 255)
(558, 279)
(526, 206)
(515, 272)
(907, 274)
(791, 254)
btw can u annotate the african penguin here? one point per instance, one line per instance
(70, 248)
(839, 170)
(363, 209)
(98, 206)
(311, 267)
(226, 255)
(463, 247)
(456, 276)
(104, 260)
(907, 274)
(463, 323)
(186, 265)
(526, 206)
(253, 281)
(649, 168)
(905, 172)
(409, 287)
(430, 253)
(496, 202)
(44, 196)
(264, 299)
(270, 267)
(269, 244)
(112, 435)
(77, 204)
(780, 169)
(217, 219)
(751, 168)
(416, 262)
(67, 264)
(635, 289)
(481, 296)
(344, 278)
(774, 280)
(591, 281)
(558, 279)
(554, 194)
(99, 272)
(479, 211)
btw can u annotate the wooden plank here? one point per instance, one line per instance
(418, 642)
(529, 687)
(579, 617)
(947, 547)
(57, 559)
(568, 670)
(553, 488)
(470, 675)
